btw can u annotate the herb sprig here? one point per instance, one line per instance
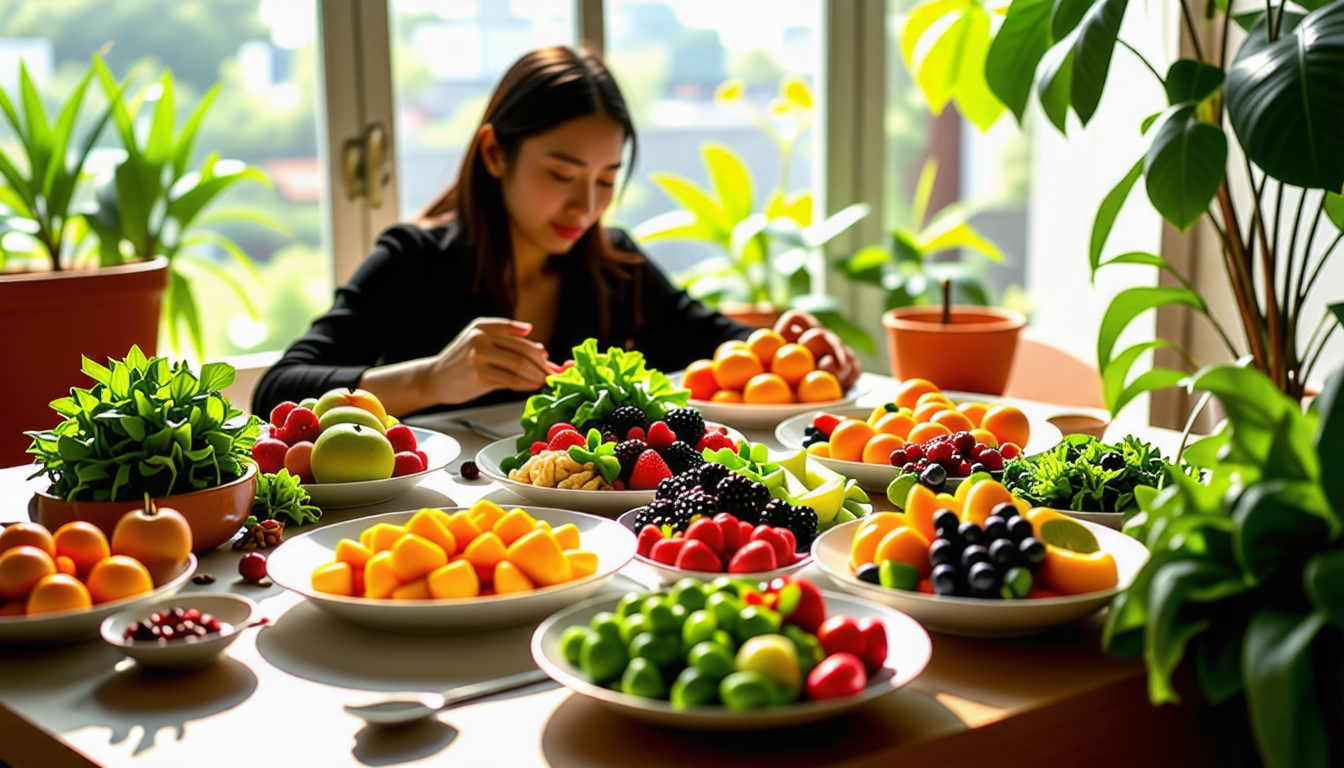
(281, 494)
(1073, 476)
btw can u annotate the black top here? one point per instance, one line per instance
(414, 294)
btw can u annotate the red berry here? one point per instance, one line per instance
(715, 441)
(269, 453)
(964, 441)
(963, 469)
(281, 411)
(708, 531)
(914, 451)
(407, 463)
(1010, 451)
(660, 435)
(252, 567)
(649, 471)
(992, 459)
(825, 423)
(647, 538)
(635, 433)
(836, 676)
(977, 450)
(696, 555)
(939, 453)
(564, 439)
(537, 447)
(754, 557)
(840, 634)
(899, 457)
(301, 424)
(666, 551)
(557, 429)
(401, 437)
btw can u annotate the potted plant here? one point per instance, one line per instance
(1282, 91)
(1242, 596)
(149, 428)
(767, 252)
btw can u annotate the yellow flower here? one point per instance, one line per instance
(729, 92)
(796, 91)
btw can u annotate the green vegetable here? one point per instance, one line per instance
(587, 393)
(743, 691)
(693, 688)
(603, 456)
(1070, 475)
(281, 494)
(642, 678)
(602, 657)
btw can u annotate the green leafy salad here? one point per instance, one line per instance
(1083, 474)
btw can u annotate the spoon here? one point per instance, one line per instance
(401, 710)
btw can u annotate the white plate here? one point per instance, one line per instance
(909, 651)
(234, 612)
(291, 566)
(876, 477)
(971, 617)
(82, 624)
(604, 503)
(441, 450)
(745, 416)
(667, 576)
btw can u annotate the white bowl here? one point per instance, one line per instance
(876, 477)
(909, 651)
(745, 416)
(971, 617)
(234, 613)
(292, 564)
(441, 450)
(668, 576)
(82, 624)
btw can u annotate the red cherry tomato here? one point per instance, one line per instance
(840, 634)
(874, 634)
(836, 677)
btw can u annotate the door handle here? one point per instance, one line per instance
(364, 165)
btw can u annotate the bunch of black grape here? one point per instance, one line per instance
(994, 561)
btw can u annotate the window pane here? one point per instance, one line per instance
(263, 54)
(447, 55)
(669, 58)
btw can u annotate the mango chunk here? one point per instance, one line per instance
(1073, 573)
(415, 556)
(509, 578)
(335, 579)
(513, 525)
(352, 552)
(539, 556)
(567, 535)
(426, 524)
(581, 563)
(381, 537)
(412, 590)
(464, 529)
(380, 578)
(483, 553)
(486, 514)
(454, 580)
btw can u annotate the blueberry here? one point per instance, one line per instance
(974, 555)
(946, 580)
(983, 578)
(943, 551)
(945, 523)
(1006, 510)
(868, 573)
(978, 467)
(933, 476)
(1033, 551)
(971, 533)
(995, 527)
(1003, 553)
(1112, 461)
(1019, 528)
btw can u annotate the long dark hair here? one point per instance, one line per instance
(541, 90)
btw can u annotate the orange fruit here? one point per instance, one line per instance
(67, 566)
(792, 362)
(921, 504)
(986, 437)
(726, 396)
(820, 450)
(729, 346)
(849, 439)
(21, 568)
(819, 387)
(763, 343)
(898, 424)
(699, 379)
(84, 543)
(734, 369)
(1008, 424)
(925, 412)
(160, 538)
(953, 420)
(923, 433)
(118, 576)
(981, 500)
(60, 592)
(766, 389)
(974, 411)
(879, 447)
(933, 397)
(908, 395)
(30, 534)
(1073, 573)
(875, 527)
(904, 544)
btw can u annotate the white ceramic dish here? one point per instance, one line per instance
(668, 576)
(292, 563)
(82, 624)
(234, 613)
(605, 503)
(876, 477)
(441, 450)
(745, 416)
(971, 617)
(909, 651)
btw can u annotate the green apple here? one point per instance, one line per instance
(817, 475)
(349, 414)
(346, 453)
(795, 462)
(854, 493)
(308, 402)
(793, 485)
(826, 499)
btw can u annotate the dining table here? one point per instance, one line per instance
(276, 696)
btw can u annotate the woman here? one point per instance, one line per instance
(461, 308)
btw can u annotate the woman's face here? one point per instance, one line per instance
(560, 182)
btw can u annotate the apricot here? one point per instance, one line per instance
(335, 579)
(923, 433)
(897, 423)
(879, 447)
(904, 545)
(118, 577)
(159, 537)
(1073, 573)
(567, 535)
(921, 504)
(734, 369)
(985, 437)
(454, 580)
(84, 543)
(539, 556)
(513, 525)
(792, 362)
(819, 387)
(953, 420)
(58, 592)
(911, 390)
(66, 565)
(1008, 424)
(510, 578)
(430, 526)
(764, 343)
(21, 567)
(581, 564)
(733, 345)
(699, 379)
(380, 578)
(874, 528)
(820, 450)
(925, 413)
(933, 397)
(726, 396)
(767, 389)
(974, 411)
(28, 534)
(849, 438)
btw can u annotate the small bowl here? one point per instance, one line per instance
(234, 613)
(441, 450)
(668, 576)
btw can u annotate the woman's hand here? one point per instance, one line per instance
(489, 354)
(799, 327)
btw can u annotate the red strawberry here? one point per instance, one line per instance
(776, 540)
(666, 551)
(660, 435)
(840, 634)
(722, 430)
(401, 437)
(635, 433)
(618, 486)
(1010, 451)
(826, 423)
(557, 429)
(744, 531)
(647, 538)
(714, 441)
(649, 471)
(269, 453)
(407, 463)
(792, 542)
(564, 439)
(698, 556)
(537, 447)
(301, 424)
(732, 533)
(710, 533)
(280, 412)
(874, 634)
(810, 609)
(754, 557)
(424, 457)
(992, 459)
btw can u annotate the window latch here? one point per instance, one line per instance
(364, 165)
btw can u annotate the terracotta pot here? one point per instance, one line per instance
(1078, 423)
(50, 319)
(760, 315)
(972, 353)
(214, 514)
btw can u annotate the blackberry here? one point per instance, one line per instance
(624, 418)
(688, 506)
(687, 424)
(657, 512)
(671, 488)
(628, 453)
(811, 431)
(711, 473)
(742, 497)
(681, 458)
(801, 521)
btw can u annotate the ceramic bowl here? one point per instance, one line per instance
(972, 617)
(667, 576)
(234, 613)
(292, 564)
(441, 450)
(909, 651)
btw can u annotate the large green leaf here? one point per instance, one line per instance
(1272, 527)
(1054, 84)
(1131, 303)
(1092, 53)
(1107, 213)
(731, 180)
(1329, 405)
(1010, 66)
(827, 229)
(1065, 16)
(697, 201)
(962, 235)
(1190, 81)
(1324, 580)
(1334, 208)
(1271, 431)
(674, 225)
(1184, 166)
(186, 141)
(186, 206)
(159, 144)
(1286, 98)
(941, 67)
(1281, 689)
(1169, 627)
(919, 20)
